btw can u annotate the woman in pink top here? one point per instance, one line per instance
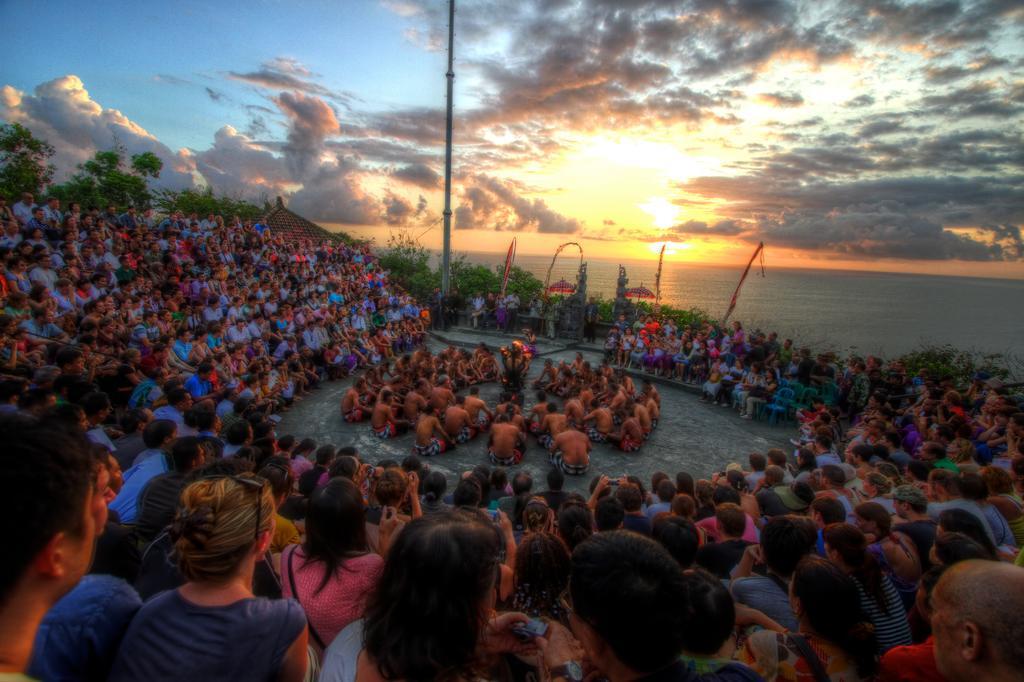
(332, 573)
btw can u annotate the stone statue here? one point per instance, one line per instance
(622, 305)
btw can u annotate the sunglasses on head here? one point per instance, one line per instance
(252, 483)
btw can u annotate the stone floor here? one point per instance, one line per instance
(692, 436)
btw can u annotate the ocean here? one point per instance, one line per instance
(878, 313)
(867, 312)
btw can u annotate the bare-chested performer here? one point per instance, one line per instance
(355, 404)
(650, 392)
(570, 452)
(654, 409)
(573, 408)
(479, 414)
(630, 437)
(510, 407)
(538, 412)
(547, 375)
(507, 442)
(457, 423)
(616, 401)
(602, 422)
(431, 438)
(416, 400)
(384, 422)
(552, 425)
(643, 416)
(441, 396)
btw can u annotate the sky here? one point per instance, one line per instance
(855, 134)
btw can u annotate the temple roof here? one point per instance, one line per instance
(284, 223)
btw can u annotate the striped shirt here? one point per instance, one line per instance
(891, 626)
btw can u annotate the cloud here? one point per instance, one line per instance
(860, 101)
(883, 126)
(877, 230)
(911, 218)
(215, 95)
(419, 174)
(62, 112)
(953, 72)
(171, 80)
(400, 212)
(237, 166)
(311, 121)
(978, 99)
(491, 203)
(945, 23)
(286, 73)
(697, 228)
(289, 65)
(334, 194)
(781, 99)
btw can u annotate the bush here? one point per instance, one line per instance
(409, 265)
(960, 365)
(470, 279)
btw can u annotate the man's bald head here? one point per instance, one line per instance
(978, 617)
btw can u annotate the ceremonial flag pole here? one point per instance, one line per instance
(657, 280)
(509, 260)
(732, 304)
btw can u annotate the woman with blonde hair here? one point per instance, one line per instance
(212, 627)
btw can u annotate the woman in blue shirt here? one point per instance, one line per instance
(212, 627)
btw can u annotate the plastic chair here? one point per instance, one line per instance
(780, 404)
(830, 393)
(805, 399)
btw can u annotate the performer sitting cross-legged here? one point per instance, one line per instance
(538, 412)
(507, 442)
(457, 422)
(599, 422)
(431, 438)
(630, 436)
(355, 404)
(570, 451)
(384, 422)
(479, 414)
(553, 424)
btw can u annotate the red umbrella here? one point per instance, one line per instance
(640, 292)
(562, 287)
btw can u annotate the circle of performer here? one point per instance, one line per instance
(573, 405)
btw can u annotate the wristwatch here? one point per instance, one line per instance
(570, 670)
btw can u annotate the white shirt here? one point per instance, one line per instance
(52, 214)
(236, 335)
(23, 211)
(46, 277)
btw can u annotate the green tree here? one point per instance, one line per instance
(470, 279)
(409, 264)
(24, 160)
(203, 202)
(147, 164)
(522, 283)
(106, 179)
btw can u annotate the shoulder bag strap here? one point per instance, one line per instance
(295, 595)
(804, 647)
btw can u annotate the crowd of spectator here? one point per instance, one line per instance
(194, 542)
